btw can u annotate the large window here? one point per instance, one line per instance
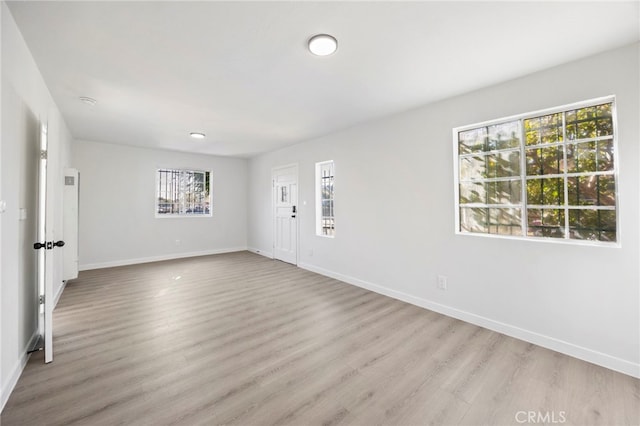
(325, 218)
(542, 175)
(183, 193)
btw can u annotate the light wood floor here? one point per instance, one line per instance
(241, 339)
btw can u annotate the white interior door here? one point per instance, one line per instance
(45, 246)
(285, 214)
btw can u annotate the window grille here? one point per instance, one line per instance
(325, 199)
(183, 193)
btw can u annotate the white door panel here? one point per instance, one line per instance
(45, 246)
(285, 203)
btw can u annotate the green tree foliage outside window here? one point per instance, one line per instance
(548, 176)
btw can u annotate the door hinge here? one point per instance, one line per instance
(43, 155)
(41, 299)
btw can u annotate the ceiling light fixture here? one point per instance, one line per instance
(197, 135)
(323, 44)
(87, 100)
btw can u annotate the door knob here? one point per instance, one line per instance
(48, 245)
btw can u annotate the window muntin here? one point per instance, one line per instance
(325, 216)
(183, 193)
(549, 175)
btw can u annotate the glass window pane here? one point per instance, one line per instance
(592, 190)
(598, 225)
(581, 157)
(504, 135)
(473, 167)
(604, 127)
(545, 161)
(545, 191)
(587, 113)
(503, 164)
(472, 192)
(544, 129)
(473, 140)
(589, 122)
(505, 221)
(500, 192)
(586, 129)
(545, 223)
(504, 192)
(604, 155)
(604, 110)
(595, 156)
(473, 220)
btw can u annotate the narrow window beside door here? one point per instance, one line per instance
(183, 193)
(325, 217)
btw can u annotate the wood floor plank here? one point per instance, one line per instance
(240, 339)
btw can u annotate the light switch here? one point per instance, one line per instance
(3, 206)
(23, 214)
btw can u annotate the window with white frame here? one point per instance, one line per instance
(183, 193)
(549, 175)
(325, 217)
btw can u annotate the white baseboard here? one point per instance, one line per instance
(171, 256)
(261, 252)
(16, 372)
(580, 352)
(57, 296)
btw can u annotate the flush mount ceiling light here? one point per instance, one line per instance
(87, 100)
(197, 135)
(323, 44)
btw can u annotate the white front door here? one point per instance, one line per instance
(285, 205)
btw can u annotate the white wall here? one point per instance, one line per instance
(117, 206)
(26, 102)
(395, 219)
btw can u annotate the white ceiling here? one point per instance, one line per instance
(241, 73)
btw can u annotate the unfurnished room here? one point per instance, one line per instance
(320, 213)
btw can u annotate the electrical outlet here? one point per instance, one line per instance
(442, 282)
(177, 242)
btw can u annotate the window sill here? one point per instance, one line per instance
(326, 236)
(182, 216)
(565, 241)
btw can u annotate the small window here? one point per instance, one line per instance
(325, 218)
(549, 175)
(183, 193)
